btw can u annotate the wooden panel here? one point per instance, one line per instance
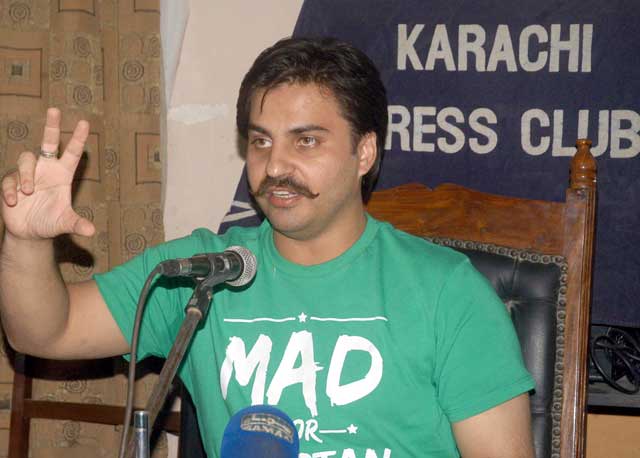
(457, 212)
(610, 436)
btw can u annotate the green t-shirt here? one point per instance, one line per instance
(373, 354)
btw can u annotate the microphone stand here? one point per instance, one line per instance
(141, 432)
(196, 310)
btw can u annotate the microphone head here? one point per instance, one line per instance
(260, 431)
(250, 266)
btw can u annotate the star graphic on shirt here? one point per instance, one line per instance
(302, 318)
(353, 429)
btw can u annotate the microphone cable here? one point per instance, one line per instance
(246, 275)
(128, 411)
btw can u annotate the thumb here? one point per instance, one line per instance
(84, 227)
(72, 223)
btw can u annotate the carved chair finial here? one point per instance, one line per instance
(583, 166)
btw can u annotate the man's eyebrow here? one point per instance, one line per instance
(308, 128)
(258, 129)
(296, 130)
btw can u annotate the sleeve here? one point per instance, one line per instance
(164, 309)
(478, 358)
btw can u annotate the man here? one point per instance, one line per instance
(377, 343)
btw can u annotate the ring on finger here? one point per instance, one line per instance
(48, 154)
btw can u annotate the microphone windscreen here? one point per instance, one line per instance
(260, 431)
(250, 265)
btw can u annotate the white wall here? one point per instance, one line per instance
(221, 40)
(208, 46)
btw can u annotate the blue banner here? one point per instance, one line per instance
(493, 94)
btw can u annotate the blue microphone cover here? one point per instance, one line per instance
(260, 431)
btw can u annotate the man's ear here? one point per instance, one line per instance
(367, 152)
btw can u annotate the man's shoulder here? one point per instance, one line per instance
(403, 244)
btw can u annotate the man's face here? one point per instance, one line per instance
(302, 165)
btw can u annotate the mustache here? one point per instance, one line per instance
(282, 182)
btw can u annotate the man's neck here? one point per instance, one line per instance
(323, 247)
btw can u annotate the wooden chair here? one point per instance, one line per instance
(525, 231)
(24, 408)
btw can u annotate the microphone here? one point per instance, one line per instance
(260, 431)
(236, 265)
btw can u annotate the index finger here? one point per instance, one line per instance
(51, 136)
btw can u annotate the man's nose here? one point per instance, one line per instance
(280, 162)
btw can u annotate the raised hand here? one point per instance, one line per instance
(36, 197)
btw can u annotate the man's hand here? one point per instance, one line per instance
(36, 198)
(42, 315)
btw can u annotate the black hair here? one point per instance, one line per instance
(347, 72)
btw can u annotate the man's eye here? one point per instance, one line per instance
(307, 141)
(260, 142)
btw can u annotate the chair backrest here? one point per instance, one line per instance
(552, 242)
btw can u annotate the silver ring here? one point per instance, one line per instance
(48, 154)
